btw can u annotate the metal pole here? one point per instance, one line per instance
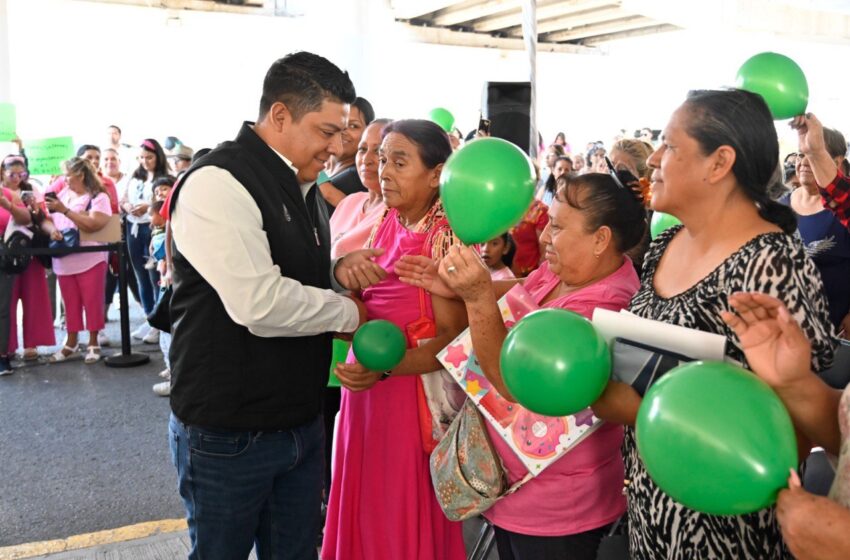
(126, 358)
(529, 35)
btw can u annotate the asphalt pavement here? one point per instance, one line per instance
(84, 447)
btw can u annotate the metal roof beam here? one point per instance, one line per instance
(626, 24)
(571, 22)
(554, 9)
(443, 36)
(469, 12)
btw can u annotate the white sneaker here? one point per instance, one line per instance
(140, 332)
(162, 389)
(103, 340)
(152, 337)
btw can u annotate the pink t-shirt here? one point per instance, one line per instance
(350, 226)
(504, 273)
(79, 262)
(583, 490)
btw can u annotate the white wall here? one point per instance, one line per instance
(79, 66)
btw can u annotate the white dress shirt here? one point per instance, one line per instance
(218, 227)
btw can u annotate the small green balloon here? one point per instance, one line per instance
(379, 345)
(661, 222)
(443, 118)
(486, 188)
(555, 363)
(716, 438)
(779, 80)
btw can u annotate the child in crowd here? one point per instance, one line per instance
(161, 188)
(498, 255)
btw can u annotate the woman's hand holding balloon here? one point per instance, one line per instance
(812, 526)
(775, 346)
(422, 272)
(355, 377)
(467, 276)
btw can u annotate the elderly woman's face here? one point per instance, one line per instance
(367, 157)
(352, 133)
(678, 167)
(406, 182)
(570, 249)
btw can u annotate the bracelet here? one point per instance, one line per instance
(385, 375)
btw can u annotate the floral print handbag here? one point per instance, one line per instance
(466, 471)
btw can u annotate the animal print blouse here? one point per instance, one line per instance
(772, 263)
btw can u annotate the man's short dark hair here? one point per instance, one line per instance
(116, 127)
(86, 147)
(302, 81)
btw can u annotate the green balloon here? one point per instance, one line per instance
(340, 353)
(443, 118)
(379, 345)
(716, 438)
(661, 222)
(486, 188)
(555, 363)
(779, 80)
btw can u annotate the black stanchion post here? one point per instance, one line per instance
(126, 358)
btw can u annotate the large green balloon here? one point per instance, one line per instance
(779, 80)
(379, 345)
(661, 222)
(486, 188)
(442, 117)
(555, 363)
(716, 438)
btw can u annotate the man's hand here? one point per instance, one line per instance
(809, 133)
(355, 377)
(812, 526)
(357, 270)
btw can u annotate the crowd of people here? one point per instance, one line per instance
(94, 186)
(319, 217)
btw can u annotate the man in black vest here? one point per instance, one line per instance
(252, 312)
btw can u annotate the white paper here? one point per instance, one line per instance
(692, 343)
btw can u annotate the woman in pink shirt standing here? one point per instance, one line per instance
(356, 215)
(84, 206)
(31, 284)
(564, 511)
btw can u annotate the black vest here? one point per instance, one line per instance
(222, 375)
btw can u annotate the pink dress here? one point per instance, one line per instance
(351, 226)
(382, 504)
(31, 289)
(583, 490)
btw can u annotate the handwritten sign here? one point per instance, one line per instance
(7, 122)
(46, 155)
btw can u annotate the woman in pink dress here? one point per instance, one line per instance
(382, 503)
(564, 511)
(11, 208)
(31, 285)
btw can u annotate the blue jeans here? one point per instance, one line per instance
(243, 489)
(138, 248)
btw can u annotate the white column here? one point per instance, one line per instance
(529, 34)
(5, 71)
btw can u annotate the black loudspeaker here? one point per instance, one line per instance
(508, 105)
